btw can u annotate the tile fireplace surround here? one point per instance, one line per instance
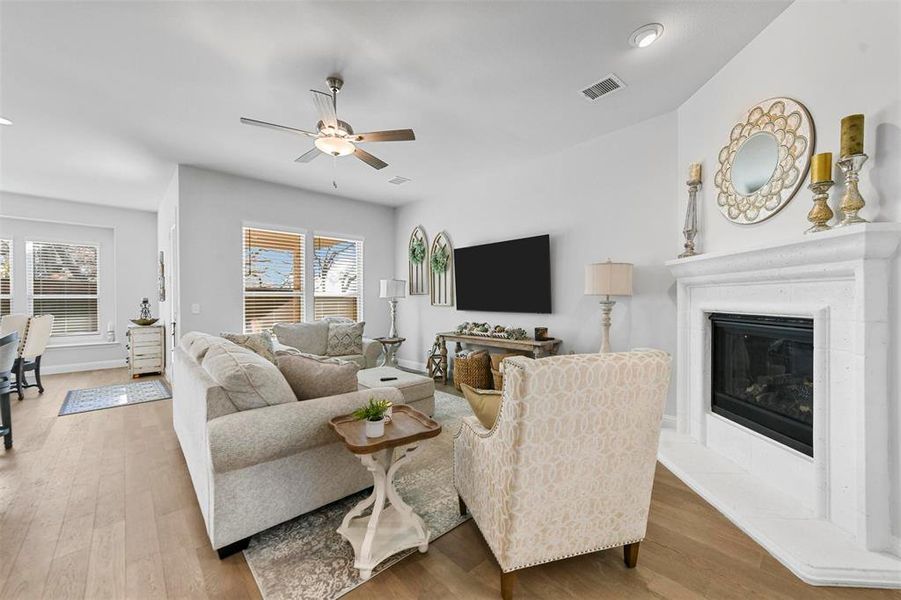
(827, 518)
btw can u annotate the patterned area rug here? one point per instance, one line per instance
(305, 559)
(109, 396)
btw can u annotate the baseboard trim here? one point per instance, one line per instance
(412, 365)
(85, 366)
(669, 421)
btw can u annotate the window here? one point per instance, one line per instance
(338, 271)
(273, 278)
(6, 277)
(62, 281)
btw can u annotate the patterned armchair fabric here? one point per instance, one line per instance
(568, 467)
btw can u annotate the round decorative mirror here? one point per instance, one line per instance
(765, 161)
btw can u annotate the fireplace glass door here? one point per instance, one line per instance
(762, 371)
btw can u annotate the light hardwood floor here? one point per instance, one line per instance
(100, 505)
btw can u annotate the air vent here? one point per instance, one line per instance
(398, 180)
(604, 87)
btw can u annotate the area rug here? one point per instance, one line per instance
(305, 559)
(109, 396)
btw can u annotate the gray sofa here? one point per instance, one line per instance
(313, 338)
(257, 457)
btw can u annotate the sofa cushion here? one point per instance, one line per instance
(261, 343)
(312, 377)
(345, 338)
(197, 344)
(249, 380)
(485, 404)
(311, 338)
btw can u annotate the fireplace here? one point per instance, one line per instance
(762, 375)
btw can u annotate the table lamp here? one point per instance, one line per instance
(608, 279)
(392, 289)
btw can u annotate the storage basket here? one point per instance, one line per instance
(473, 370)
(497, 374)
(498, 379)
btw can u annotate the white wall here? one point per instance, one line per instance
(128, 267)
(212, 209)
(609, 198)
(837, 59)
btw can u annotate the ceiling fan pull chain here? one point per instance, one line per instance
(334, 171)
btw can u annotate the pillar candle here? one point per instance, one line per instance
(694, 172)
(852, 135)
(821, 167)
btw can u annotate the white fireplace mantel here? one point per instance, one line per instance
(828, 518)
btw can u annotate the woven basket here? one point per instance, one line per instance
(473, 370)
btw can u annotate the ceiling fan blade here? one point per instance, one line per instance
(375, 163)
(393, 135)
(325, 108)
(247, 121)
(308, 156)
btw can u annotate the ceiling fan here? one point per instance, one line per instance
(334, 136)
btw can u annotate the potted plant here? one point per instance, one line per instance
(374, 413)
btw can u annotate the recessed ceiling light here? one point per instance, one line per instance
(646, 35)
(5, 121)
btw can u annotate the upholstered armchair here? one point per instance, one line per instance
(568, 467)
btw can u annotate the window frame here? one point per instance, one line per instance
(282, 229)
(29, 284)
(360, 295)
(12, 277)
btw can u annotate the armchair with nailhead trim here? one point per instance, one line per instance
(568, 466)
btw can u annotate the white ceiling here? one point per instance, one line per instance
(107, 97)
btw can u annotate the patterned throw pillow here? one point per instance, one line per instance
(261, 343)
(345, 338)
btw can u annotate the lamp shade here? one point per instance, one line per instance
(392, 288)
(608, 279)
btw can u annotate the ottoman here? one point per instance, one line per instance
(418, 390)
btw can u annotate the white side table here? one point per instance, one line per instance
(392, 525)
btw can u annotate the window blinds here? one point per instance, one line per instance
(62, 281)
(338, 274)
(273, 278)
(6, 277)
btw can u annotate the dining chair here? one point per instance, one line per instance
(37, 335)
(15, 322)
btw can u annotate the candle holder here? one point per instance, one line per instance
(852, 201)
(820, 214)
(690, 229)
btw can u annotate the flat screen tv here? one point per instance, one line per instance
(511, 276)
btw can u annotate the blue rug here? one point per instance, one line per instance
(109, 396)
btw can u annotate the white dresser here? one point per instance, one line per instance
(146, 349)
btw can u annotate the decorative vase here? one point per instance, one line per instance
(375, 429)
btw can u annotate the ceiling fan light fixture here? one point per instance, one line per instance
(646, 35)
(335, 146)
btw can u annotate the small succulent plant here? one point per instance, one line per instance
(374, 410)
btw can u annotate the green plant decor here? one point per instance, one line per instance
(373, 411)
(417, 252)
(439, 260)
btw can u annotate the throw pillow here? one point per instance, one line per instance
(249, 380)
(485, 404)
(310, 377)
(311, 338)
(345, 338)
(261, 343)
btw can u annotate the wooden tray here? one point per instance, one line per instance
(407, 425)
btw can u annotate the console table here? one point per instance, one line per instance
(536, 348)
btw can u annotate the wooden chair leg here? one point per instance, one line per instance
(20, 377)
(508, 581)
(37, 374)
(463, 509)
(630, 554)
